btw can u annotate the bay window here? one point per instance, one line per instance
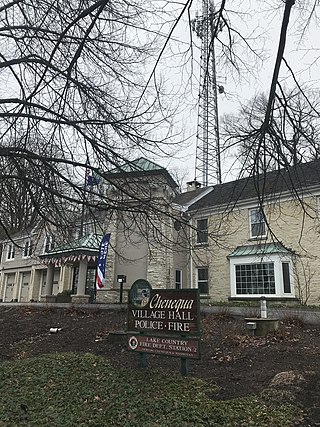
(260, 274)
(255, 278)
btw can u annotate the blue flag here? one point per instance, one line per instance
(92, 178)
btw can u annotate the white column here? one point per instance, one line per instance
(49, 279)
(82, 279)
(15, 293)
(2, 286)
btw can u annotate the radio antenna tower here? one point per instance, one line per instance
(208, 164)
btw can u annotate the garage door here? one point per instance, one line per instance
(25, 282)
(9, 288)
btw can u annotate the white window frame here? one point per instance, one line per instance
(277, 260)
(202, 281)
(27, 249)
(10, 251)
(254, 211)
(202, 232)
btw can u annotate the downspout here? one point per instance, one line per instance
(191, 254)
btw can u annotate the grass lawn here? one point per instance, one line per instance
(84, 390)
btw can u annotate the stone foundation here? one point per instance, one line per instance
(111, 296)
(48, 298)
(80, 299)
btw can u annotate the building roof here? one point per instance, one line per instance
(185, 199)
(26, 233)
(140, 167)
(260, 249)
(89, 244)
(303, 176)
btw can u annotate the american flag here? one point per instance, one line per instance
(101, 267)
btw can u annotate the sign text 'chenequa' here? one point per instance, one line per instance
(166, 311)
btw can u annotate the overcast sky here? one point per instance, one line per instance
(260, 22)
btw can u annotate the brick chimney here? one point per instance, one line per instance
(193, 185)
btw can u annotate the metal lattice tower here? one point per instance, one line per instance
(208, 165)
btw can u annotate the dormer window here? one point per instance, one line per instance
(28, 248)
(49, 243)
(257, 223)
(10, 251)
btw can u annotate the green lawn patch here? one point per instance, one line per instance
(84, 390)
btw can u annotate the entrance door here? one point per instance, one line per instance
(90, 282)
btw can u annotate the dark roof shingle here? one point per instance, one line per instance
(184, 199)
(302, 176)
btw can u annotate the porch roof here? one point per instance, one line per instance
(86, 245)
(260, 249)
(138, 165)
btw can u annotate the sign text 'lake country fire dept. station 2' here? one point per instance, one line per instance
(164, 321)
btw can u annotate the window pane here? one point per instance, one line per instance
(27, 249)
(203, 287)
(178, 279)
(178, 275)
(203, 284)
(49, 243)
(257, 223)
(258, 230)
(202, 230)
(286, 278)
(202, 274)
(255, 279)
(10, 251)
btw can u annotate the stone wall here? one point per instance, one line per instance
(296, 227)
